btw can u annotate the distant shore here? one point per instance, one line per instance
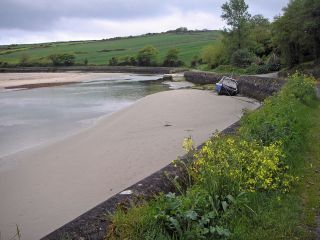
(15, 80)
(101, 69)
(35, 77)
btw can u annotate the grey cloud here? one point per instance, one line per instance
(37, 15)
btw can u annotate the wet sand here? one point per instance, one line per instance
(32, 80)
(45, 187)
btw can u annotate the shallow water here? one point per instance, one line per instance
(32, 117)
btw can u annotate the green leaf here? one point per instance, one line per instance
(191, 215)
(231, 199)
(225, 205)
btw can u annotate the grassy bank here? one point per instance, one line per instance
(100, 52)
(257, 184)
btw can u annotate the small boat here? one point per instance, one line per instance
(227, 85)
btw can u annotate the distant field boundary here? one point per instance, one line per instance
(107, 69)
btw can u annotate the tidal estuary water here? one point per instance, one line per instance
(32, 117)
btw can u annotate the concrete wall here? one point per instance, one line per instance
(250, 86)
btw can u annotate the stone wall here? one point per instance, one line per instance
(198, 77)
(250, 86)
(259, 87)
(112, 69)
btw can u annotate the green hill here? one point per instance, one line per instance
(99, 52)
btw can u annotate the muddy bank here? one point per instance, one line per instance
(39, 85)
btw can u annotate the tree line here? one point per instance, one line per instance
(255, 43)
(148, 57)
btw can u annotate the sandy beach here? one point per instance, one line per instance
(11, 80)
(47, 186)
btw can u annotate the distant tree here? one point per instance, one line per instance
(25, 60)
(273, 63)
(125, 61)
(312, 26)
(147, 56)
(215, 55)
(85, 61)
(242, 58)
(181, 30)
(195, 61)
(113, 61)
(133, 61)
(296, 34)
(260, 36)
(64, 59)
(235, 13)
(172, 58)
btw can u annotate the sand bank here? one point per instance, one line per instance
(31, 80)
(44, 188)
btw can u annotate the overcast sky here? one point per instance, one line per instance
(30, 21)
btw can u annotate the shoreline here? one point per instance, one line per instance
(51, 185)
(96, 69)
(39, 85)
(48, 79)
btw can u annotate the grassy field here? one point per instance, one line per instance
(99, 52)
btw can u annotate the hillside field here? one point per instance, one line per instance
(99, 52)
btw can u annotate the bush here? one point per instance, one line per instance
(195, 215)
(302, 87)
(124, 61)
(242, 58)
(231, 165)
(214, 55)
(196, 61)
(114, 61)
(172, 59)
(133, 61)
(147, 56)
(64, 59)
(229, 69)
(136, 223)
(262, 69)
(4, 64)
(282, 118)
(274, 63)
(25, 60)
